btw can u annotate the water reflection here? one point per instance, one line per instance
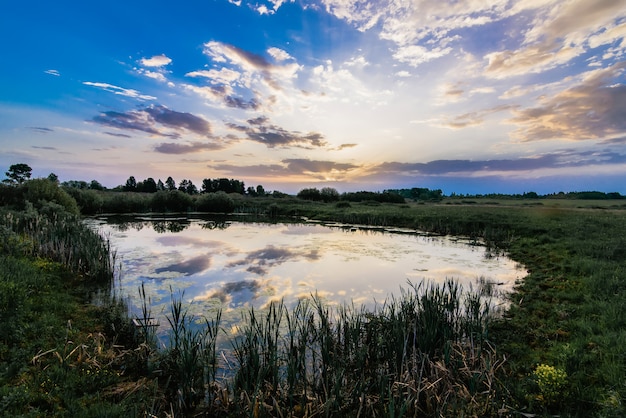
(233, 265)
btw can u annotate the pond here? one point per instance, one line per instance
(233, 264)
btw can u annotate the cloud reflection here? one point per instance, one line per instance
(259, 261)
(189, 267)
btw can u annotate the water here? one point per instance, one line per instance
(234, 265)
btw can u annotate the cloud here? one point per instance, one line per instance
(55, 73)
(593, 108)
(346, 146)
(259, 261)
(118, 135)
(316, 167)
(296, 167)
(260, 130)
(44, 148)
(120, 90)
(193, 147)
(470, 119)
(153, 119)
(559, 32)
(40, 129)
(156, 61)
(279, 54)
(242, 79)
(553, 160)
(414, 55)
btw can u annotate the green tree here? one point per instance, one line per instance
(18, 173)
(131, 184)
(95, 185)
(170, 184)
(149, 185)
(53, 178)
(328, 194)
(260, 191)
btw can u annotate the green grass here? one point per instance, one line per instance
(440, 355)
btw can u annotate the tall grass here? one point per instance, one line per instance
(61, 237)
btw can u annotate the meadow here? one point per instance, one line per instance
(69, 348)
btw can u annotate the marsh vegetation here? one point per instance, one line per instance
(432, 351)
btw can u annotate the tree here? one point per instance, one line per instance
(95, 185)
(131, 184)
(188, 187)
(53, 178)
(170, 184)
(328, 194)
(149, 185)
(160, 185)
(18, 173)
(310, 194)
(260, 191)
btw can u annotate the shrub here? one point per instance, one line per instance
(215, 202)
(171, 201)
(40, 191)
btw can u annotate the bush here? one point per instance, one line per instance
(41, 191)
(90, 202)
(171, 201)
(215, 202)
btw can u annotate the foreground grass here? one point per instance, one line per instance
(569, 312)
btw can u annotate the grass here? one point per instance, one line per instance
(560, 349)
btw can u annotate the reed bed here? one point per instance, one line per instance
(62, 237)
(424, 353)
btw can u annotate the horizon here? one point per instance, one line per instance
(467, 97)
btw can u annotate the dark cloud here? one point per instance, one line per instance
(345, 146)
(117, 135)
(239, 103)
(255, 60)
(566, 158)
(45, 148)
(259, 130)
(266, 170)
(191, 266)
(259, 261)
(153, 119)
(174, 148)
(40, 129)
(302, 165)
(179, 120)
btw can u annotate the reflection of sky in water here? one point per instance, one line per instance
(251, 264)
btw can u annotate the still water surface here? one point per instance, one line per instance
(235, 265)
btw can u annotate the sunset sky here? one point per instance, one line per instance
(469, 96)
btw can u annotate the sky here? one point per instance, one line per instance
(467, 96)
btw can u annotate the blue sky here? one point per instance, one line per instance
(467, 96)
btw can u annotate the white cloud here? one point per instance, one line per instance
(221, 76)
(415, 55)
(279, 54)
(55, 73)
(120, 90)
(156, 61)
(153, 74)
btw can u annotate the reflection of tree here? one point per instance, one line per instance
(215, 225)
(125, 226)
(169, 226)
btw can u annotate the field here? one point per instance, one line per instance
(560, 349)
